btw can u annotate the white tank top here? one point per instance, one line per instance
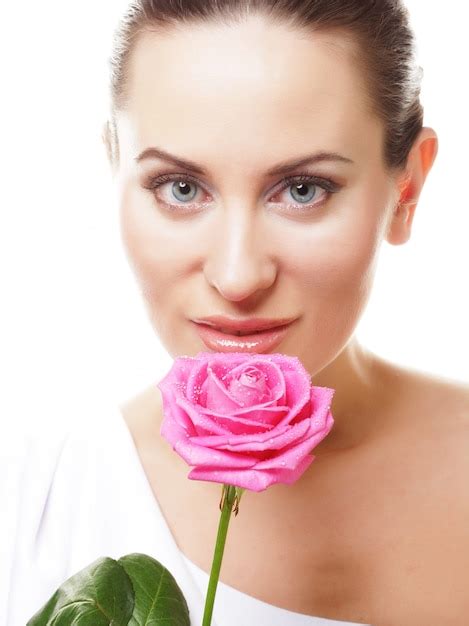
(79, 492)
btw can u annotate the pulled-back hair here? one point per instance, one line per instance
(380, 28)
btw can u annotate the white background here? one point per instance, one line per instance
(74, 331)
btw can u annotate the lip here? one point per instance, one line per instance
(262, 341)
(253, 323)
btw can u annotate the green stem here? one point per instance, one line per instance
(230, 492)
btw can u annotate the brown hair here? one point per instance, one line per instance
(380, 27)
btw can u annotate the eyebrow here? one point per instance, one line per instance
(280, 168)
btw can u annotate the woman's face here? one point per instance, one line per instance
(233, 238)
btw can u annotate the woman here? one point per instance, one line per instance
(264, 151)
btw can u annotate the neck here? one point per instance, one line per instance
(357, 375)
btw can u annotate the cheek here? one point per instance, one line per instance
(335, 278)
(335, 267)
(342, 252)
(156, 257)
(151, 247)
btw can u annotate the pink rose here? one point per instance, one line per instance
(244, 419)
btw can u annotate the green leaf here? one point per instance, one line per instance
(101, 594)
(159, 600)
(136, 590)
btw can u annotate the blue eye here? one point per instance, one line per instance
(182, 187)
(302, 189)
(307, 191)
(180, 190)
(305, 188)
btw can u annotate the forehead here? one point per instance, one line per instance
(219, 87)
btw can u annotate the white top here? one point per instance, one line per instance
(79, 492)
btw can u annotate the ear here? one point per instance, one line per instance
(109, 144)
(410, 184)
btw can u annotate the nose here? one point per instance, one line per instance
(240, 265)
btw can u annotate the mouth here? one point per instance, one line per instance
(221, 339)
(241, 333)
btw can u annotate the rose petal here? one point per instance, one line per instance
(195, 378)
(251, 478)
(179, 372)
(290, 457)
(321, 400)
(259, 419)
(319, 397)
(201, 422)
(273, 375)
(172, 412)
(205, 457)
(217, 397)
(219, 366)
(298, 395)
(280, 436)
(240, 425)
(172, 431)
(250, 388)
(273, 440)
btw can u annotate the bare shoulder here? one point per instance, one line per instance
(435, 398)
(451, 400)
(444, 408)
(451, 390)
(437, 408)
(437, 474)
(448, 399)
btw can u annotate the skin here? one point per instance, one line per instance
(243, 246)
